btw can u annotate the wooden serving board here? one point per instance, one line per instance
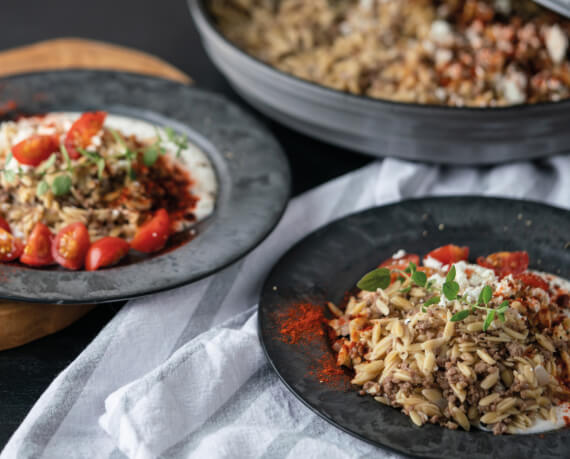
(21, 322)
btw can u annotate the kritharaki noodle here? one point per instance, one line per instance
(470, 349)
(480, 53)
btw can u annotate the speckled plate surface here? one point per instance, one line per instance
(252, 171)
(327, 263)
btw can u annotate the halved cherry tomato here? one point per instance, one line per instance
(106, 252)
(35, 149)
(71, 245)
(5, 225)
(38, 248)
(10, 247)
(152, 235)
(505, 263)
(449, 254)
(532, 280)
(400, 263)
(82, 131)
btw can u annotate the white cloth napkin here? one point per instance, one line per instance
(181, 374)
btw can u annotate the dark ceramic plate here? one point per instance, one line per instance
(430, 133)
(326, 264)
(252, 173)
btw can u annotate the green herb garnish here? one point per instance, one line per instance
(95, 158)
(379, 278)
(42, 188)
(61, 185)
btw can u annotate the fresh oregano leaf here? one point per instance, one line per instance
(10, 176)
(461, 315)
(61, 185)
(485, 295)
(432, 300)
(42, 188)
(406, 290)
(150, 155)
(419, 278)
(450, 290)
(451, 274)
(379, 278)
(489, 319)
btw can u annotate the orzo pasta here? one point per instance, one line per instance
(114, 178)
(445, 52)
(461, 345)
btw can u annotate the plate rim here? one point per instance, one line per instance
(266, 288)
(255, 122)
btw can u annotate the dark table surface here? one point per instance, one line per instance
(163, 28)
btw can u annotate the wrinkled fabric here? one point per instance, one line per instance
(181, 374)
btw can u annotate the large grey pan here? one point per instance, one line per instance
(383, 128)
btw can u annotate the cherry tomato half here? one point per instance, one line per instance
(449, 254)
(106, 252)
(400, 263)
(38, 248)
(35, 149)
(5, 225)
(10, 247)
(152, 235)
(505, 263)
(82, 131)
(71, 245)
(532, 280)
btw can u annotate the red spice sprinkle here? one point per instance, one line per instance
(306, 323)
(566, 420)
(302, 322)
(327, 370)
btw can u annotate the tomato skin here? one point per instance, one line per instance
(532, 280)
(35, 149)
(106, 252)
(400, 263)
(5, 225)
(505, 263)
(38, 248)
(70, 246)
(152, 235)
(10, 247)
(449, 254)
(82, 131)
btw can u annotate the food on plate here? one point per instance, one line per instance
(466, 345)
(82, 189)
(481, 53)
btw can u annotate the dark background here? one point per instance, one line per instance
(163, 28)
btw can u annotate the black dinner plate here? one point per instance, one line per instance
(252, 172)
(329, 262)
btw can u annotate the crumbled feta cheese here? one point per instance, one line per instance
(556, 43)
(430, 262)
(470, 287)
(399, 254)
(441, 32)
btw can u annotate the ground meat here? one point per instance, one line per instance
(454, 376)
(441, 379)
(499, 428)
(515, 349)
(563, 301)
(481, 367)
